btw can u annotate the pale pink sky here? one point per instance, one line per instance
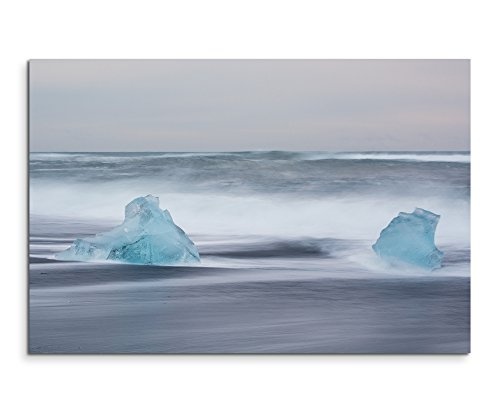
(218, 105)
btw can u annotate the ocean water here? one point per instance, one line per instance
(285, 240)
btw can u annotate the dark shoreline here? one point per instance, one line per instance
(141, 309)
(56, 273)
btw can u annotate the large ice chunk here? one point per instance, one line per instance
(409, 238)
(147, 236)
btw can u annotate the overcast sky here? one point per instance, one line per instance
(217, 105)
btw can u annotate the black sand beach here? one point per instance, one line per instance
(107, 308)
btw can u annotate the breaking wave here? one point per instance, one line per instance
(123, 157)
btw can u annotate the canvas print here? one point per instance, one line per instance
(249, 206)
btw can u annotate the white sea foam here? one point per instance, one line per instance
(394, 156)
(455, 157)
(351, 217)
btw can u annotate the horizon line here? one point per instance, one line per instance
(244, 151)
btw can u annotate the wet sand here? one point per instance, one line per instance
(108, 308)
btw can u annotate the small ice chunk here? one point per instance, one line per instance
(147, 236)
(409, 238)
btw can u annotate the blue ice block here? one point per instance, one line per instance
(147, 236)
(409, 238)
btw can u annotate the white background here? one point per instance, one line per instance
(237, 29)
